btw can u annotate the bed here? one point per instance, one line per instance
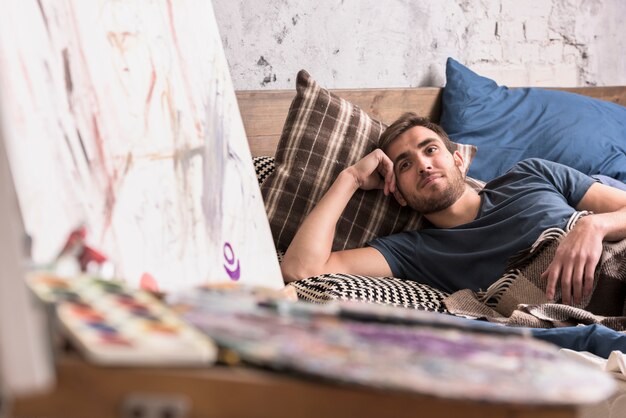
(302, 139)
(311, 134)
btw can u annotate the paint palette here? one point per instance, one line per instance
(392, 348)
(112, 324)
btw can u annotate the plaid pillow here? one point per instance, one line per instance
(324, 134)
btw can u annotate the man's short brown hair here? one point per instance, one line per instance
(408, 121)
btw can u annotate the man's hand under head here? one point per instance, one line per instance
(375, 171)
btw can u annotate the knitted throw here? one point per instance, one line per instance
(518, 298)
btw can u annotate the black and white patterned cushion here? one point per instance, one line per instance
(380, 290)
(263, 167)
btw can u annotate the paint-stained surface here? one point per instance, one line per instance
(121, 115)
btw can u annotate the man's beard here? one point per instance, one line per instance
(445, 199)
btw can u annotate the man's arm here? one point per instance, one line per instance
(309, 254)
(578, 254)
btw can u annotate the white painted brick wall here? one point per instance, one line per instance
(497, 72)
(536, 30)
(399, 43)
(571, 54)
(566, 75)
(528, 53)
(552, 52)
(512, 30)
(484, 29)
(528, 8)
(491, 51)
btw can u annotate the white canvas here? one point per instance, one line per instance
(122, 116)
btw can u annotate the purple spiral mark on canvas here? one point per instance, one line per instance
(232, 263)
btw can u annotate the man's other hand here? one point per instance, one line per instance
(575, 262)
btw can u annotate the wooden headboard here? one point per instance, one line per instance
(264, 111)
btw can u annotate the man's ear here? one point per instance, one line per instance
(399, 198)
(459, 161)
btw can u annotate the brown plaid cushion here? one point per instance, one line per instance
(324, 134)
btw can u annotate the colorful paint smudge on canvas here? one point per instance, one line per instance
(121, 116)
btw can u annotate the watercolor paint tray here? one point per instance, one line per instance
(114, 325)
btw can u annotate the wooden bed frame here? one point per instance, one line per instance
(264, 111)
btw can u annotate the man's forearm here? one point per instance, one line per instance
(311, 247)
(608, 205)
(611, 225)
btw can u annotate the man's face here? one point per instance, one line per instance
(428, 177)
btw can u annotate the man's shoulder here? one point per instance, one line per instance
(527, 172)
(533, 164)
(523, 168)
(540, 167)
(532, 171)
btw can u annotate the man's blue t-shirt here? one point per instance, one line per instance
(515, 209)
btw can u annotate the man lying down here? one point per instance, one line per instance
(542, 235)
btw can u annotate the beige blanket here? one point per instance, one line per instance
(518, 298)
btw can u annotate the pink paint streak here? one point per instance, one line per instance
(153, 78)
(110, 179)
(183, 69)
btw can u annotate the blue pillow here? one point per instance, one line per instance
(511, 125)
